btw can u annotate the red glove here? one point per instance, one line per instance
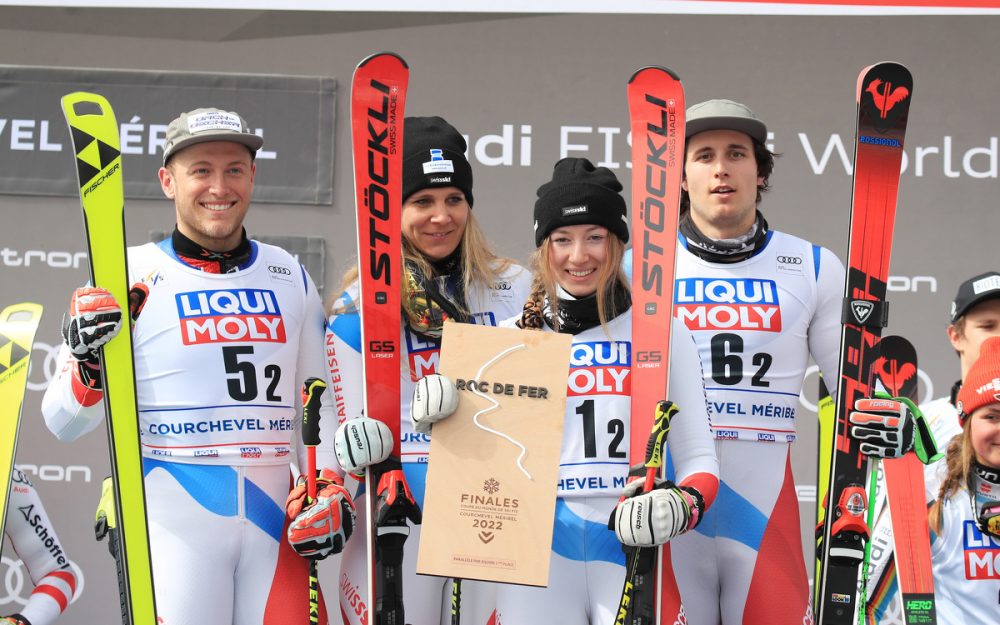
(322, 527)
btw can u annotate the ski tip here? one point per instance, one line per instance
(81, 103)
(25, 312)
(653, 68)
(379, 55)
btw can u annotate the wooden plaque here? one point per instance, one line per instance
(484, 517)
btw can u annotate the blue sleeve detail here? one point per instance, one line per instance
(347, 327)
(305, 279)
(254, 250)
(731, 505)
(681, 240)
(168, 248)
(816, 257)
(575, 538)
(263, 512)
(214, 487)
(416, 478)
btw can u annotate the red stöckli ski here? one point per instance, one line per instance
(378, 95)
(656, 114)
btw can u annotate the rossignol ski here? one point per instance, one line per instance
(656, 116)
(378, 95)
(18, 323)
(94, 133)
(904, 485)
(883, 96)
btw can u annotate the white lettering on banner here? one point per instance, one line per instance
(505, 140)
(56, 260)
(55, 472)
(911, 284)
(47, 368)
(976, 162)
(30, 135)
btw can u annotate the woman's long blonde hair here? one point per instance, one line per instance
(611, 279)
(480, 264)
(959, 458)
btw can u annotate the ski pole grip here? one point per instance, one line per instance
(312, 393)
(665, 411)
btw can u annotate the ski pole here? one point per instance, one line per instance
(456, 601)
(312, 392)
(665, 411)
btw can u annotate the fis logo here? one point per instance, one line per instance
(981, 552)
(600, 368)
(728, 304)
(227, 316)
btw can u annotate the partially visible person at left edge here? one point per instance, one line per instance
(225, 330)
(34, 539)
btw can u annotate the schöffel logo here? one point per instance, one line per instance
(981, 552)
(250, 452)
(728, 304)
(730, 435)
(279, 270)
(206, 453)
(761, 436)
(502, 285)
(600, 368)
(243, 315)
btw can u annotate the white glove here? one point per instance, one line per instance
(434, 398)
(651, 519)
(362, 442)
(94, 318)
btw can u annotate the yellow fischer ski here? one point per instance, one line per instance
(18, 324)
(95, 137)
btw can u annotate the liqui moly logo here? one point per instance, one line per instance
(228, 316)
(728, 304)
(981, 552)
(600, 368)
(422, 353)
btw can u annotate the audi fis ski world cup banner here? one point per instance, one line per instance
(294, 115)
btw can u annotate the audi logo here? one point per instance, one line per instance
(284, 271)
(17, 586)
(790, 260)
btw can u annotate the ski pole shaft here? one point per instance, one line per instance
(627, 605)
(456, 601)
(312, 393)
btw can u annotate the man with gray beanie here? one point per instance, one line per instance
(759, 302)
(225, 330)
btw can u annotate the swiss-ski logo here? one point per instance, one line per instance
(862, 309)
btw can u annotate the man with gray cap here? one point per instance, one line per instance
(225, 330)
(759, 302)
